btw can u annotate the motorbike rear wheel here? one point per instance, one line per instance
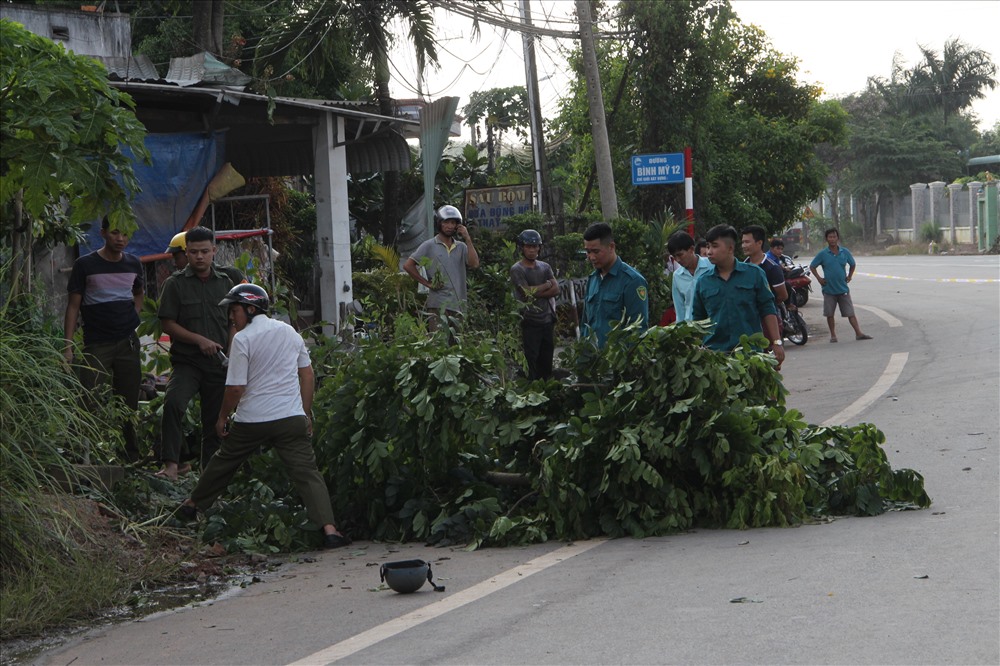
(800, 296)
(795, 329)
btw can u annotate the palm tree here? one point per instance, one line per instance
(310, 29)
(952, 81)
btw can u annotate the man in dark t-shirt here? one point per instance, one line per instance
(536, 286)
(753, 247)
(107, 288)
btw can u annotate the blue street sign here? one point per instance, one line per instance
(661, 169)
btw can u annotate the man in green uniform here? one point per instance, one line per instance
(199, 331)
(735, 296)
(616, 292)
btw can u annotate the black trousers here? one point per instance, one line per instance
(117, 365)
(209, 382)
(539, 345)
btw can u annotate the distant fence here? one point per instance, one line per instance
(952, 208)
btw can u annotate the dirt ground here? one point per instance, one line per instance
(167, 566)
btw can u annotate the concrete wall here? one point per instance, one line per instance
(84, 33)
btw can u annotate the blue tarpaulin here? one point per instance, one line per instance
(182, 165)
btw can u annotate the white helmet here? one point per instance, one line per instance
(449, 213)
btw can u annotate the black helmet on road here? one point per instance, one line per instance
(248, 294)
(529, 237)
(408, 576)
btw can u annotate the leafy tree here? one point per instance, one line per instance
(66, 139)
(690, 74)
(364, 24)
(910, 127)
(500, 110)
(951, 81)
(653, 434)
(988, 143)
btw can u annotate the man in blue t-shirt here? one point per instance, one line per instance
(834, 260)
(107, 288)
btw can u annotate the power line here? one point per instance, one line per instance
(480, 14)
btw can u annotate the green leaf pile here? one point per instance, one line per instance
(652, 435)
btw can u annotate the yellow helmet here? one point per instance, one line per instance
(178, 243)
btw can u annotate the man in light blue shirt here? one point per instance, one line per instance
(691, 267)
(834, 261)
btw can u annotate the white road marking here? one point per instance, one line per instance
(879, 312)
(888, 378)
(366, 639)
(910, 279)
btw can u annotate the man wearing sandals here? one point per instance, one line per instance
(190, 314)
(269, 386)
(834, 261)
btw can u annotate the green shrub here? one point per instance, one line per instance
(929, 233)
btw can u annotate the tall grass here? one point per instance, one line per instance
(51, 568)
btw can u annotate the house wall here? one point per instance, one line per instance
(84, 33)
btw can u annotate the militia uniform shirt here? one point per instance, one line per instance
(736, 306)
(622, 294)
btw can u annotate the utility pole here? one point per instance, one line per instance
(544, 197)
(598, 124)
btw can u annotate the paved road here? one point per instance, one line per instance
(903, 588)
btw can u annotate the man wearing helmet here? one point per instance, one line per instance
(536, 287)
(269, 386)
(447, 260)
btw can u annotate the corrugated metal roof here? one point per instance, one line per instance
(205, 68)
(134, 68)
(278, 146)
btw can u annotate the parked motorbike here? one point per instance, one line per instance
(799, 284)
(793, 326)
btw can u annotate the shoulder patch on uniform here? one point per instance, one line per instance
(641, 291)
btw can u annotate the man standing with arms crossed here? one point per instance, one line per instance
(199, 336)
(834, 259)
(735, 296)
(269, 384)
(536, 286)
(107, 287)
(616, 292)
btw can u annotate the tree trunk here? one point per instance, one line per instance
(598, 122)
(491, 145)
(207, 20)
(21, 243)
(392, 211)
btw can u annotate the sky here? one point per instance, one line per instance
(839, 43)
